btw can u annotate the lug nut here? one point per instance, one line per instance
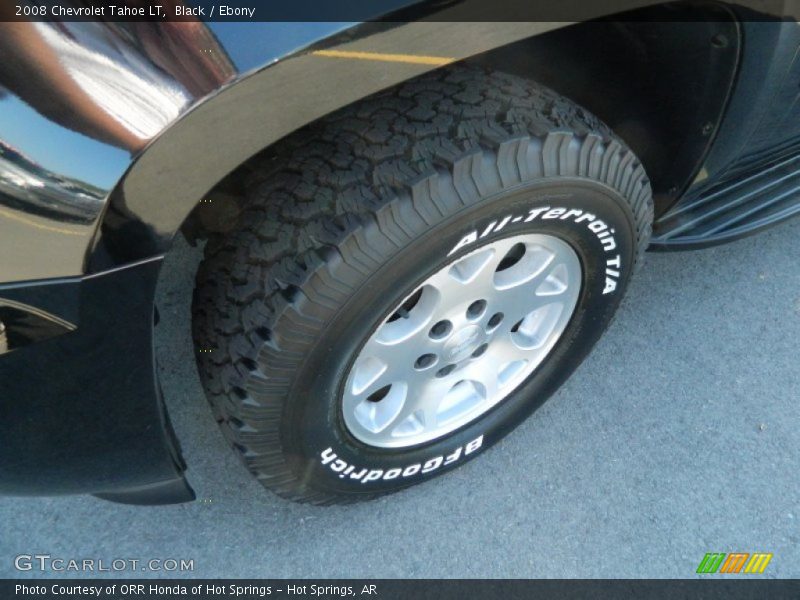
(441, 330)
(476, 309)
(480, 350)
(496, 319)
(445, 371)
(425, 361)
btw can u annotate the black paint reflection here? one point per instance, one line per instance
(112, 86)
(120, 83)
(22, 325)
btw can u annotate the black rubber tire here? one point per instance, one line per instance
(346, 215)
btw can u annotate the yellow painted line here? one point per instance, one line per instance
(22, 219)
(413, 59)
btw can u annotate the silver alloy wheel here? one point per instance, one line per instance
(462, 341)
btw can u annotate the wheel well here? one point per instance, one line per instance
(659, 77)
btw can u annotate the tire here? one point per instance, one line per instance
(344, 220)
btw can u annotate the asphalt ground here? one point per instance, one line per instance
(679, 435)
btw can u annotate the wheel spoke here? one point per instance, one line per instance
(470, 275)
(550, 284)
(488, 368)
(366, 373)
(419, 409)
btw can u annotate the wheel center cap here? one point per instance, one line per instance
(463, 343)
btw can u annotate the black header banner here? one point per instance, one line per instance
(370, 10)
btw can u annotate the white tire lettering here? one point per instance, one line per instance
(343, 469)
(453, 457)
(535, 212)
(573, 212)
(600, 228)
(503, 223)
(554, 213)
(373, 475)
(412, 470)
(467, 239)
(392, 474)
(473, 446)
(597, 226)
(608, 244)
(328, 455)
(358, 475)
(432, 464)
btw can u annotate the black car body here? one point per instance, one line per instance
(113, 134)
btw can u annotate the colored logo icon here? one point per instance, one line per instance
(735, 562)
